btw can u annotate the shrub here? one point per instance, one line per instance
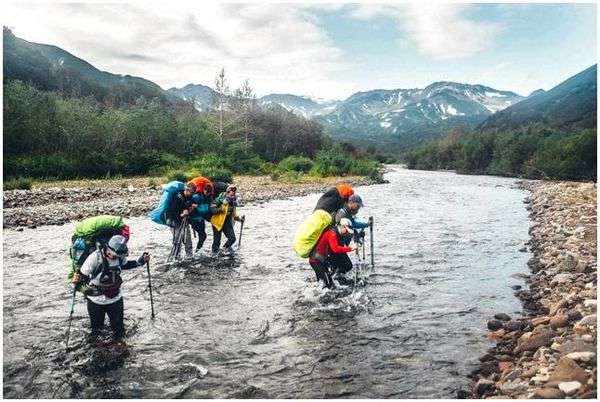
(21, 183)
(178, 175)
(296, 163)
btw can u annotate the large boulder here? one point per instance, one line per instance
(567, 370)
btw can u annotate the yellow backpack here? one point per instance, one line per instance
(309, 231)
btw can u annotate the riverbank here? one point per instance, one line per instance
(550, 352)
(60, 202)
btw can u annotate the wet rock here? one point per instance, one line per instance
(540, 321)
(569, 388)
(548, 393)
(505, 366)
(513, 325)
(494, 325)
(502, 317)
(511, 387)
(463, 394)
(483, 386)
(488, 368)
(567, 370)
(587, 320)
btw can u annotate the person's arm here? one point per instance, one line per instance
(335, 246)
(130, 264)
(358, 224)
(339, 215)
(89, 266)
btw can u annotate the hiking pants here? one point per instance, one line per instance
(115, 316)
(340, 263)
(322, 272)
(229, 233)
(198, 227)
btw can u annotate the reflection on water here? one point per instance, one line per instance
(256, 325)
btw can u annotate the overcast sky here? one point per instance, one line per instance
(321, 50)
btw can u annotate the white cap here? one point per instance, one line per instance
(347, 223)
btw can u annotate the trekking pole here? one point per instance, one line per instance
(241, 229)
(371, 238)
(150, 288)
(71, 315)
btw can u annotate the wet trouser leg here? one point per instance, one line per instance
(96, 313)
(229, 233)
(115, 316)
(322, 272)
(216, 239)
(187, 240)
(340, 263)
(199, 227)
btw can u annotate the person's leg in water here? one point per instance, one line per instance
(187, 240)
(341, 264)
(199, 228)
(229, 233)
(115, 315)
(96, 313)
(216, 240)
(322, 273)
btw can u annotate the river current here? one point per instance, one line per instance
(257, 325)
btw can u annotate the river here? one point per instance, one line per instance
(256, 324)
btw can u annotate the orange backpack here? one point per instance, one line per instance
(200, 182)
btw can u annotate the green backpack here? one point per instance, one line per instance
(90, 232)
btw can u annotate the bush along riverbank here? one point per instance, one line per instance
(61, 202)
(550, 352)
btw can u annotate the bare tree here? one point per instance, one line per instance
(244, 103)
(220, 99)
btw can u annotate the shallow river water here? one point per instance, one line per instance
(256, 324)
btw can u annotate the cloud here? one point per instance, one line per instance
(440, 31)
(279, 47)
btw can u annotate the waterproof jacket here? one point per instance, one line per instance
(202, 210)
(329, 243)
(222, 209)
(334, 198)
(344, 212)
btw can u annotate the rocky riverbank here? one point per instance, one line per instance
(550, 351)
(47, 205)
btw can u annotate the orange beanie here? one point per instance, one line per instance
(344, 190)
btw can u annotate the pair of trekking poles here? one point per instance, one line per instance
(75, 295)
(361, 260)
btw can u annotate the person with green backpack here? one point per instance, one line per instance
(99, 277)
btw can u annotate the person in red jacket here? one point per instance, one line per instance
(322, 257)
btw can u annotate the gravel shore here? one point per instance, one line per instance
(550, 352)
(47, 205)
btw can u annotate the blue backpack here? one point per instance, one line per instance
(158, 214)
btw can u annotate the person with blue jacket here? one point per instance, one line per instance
(201, 213)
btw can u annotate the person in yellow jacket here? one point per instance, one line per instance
(223, 214)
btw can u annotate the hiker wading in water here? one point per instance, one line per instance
(324, 258)
(201, 213)
(102, 273)
(224, 213)
(179, 208)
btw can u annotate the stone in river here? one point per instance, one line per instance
(543, 338)
(502, 317)
(559, 321)
(494, 325)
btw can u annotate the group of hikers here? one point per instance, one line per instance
(99, 245)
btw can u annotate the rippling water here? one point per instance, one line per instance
(256, 325)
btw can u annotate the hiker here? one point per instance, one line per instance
(179, 207)
(201, 213)
(102, 272)
(349, 211)
(334, 198)
(325, 257)
(224, 213)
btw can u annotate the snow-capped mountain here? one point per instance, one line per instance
(301, 105)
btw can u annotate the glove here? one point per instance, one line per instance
(354, 246)
(76, 278)
(144, 258)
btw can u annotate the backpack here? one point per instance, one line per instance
(158, 214)
(90, 232)
(200, 182)
(309, 232)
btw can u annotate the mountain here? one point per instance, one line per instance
(571, 105)
(52, 68)
(200, 95)
(301, 105)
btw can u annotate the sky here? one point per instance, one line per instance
(318, 49)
